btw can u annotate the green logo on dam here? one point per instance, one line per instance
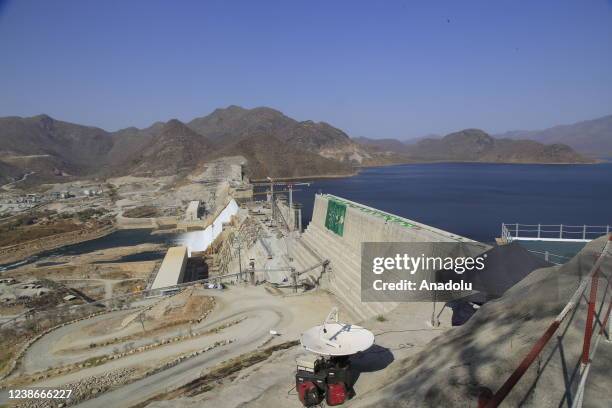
(334, 220)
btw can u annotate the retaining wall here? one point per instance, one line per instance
(201, 240)
(359, 224)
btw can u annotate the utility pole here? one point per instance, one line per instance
(271, 194)
(291, 209)
(238, 245)
(239, 262)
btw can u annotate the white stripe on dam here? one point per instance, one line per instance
(201, 240)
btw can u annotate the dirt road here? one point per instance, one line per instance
(256, 311)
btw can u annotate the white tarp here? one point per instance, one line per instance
(201, 240)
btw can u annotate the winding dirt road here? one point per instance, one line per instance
(252, 312)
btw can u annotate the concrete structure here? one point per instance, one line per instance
(192, 211)
(291, 216)
(343, 248)
(241, 192)
(201, 240)
(172, 269)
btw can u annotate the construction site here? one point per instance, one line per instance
(236, 312)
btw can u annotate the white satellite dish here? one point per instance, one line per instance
(336, 339)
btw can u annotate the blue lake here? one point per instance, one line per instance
(469, 199)
(474, 199)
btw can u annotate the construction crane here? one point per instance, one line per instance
(290, 187)
(288, 184)
(276, 192)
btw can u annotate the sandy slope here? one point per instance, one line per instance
(489, 347)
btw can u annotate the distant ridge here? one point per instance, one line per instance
(592, 137)
(272, 143)
(476, 145)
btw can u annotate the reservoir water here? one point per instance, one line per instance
(474, 199)
(116, 239)
(469, 199)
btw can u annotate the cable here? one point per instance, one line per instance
(291, 389)
(407, 330)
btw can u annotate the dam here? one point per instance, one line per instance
(196, 241)
(335, 235)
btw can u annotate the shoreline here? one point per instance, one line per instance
(489, 162)
(359, 168)
(313, 177)
(24, 250)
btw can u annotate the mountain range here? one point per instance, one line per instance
(474, 145)
(272, 143)
(590, 137)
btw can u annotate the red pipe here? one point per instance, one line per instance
(522, 368)
(588, 327)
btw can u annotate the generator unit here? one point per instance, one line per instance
(325, 375)
(320, 378)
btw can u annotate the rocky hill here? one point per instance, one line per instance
(226, 127)
(384, 144)
(8, 173)
(130, 142)
(476, 145)
(81, 146)
(591, 137)
(273, 143)
(486, 350)
(229, 125)
(173, 149)
(268, 156)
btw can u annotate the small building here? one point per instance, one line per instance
(172, 269)
(193, 211)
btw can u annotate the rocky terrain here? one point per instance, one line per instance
(274, 144)
(591, 137)
(42, 149)
(486, 350)
(476, 145)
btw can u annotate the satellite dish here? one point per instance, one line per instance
(333, 338)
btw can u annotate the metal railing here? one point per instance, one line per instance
(551, 257)
(553, 232)
(488, 399)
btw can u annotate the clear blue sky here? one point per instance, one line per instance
(372, 68)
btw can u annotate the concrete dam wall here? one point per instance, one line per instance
(201, 240)
(340, 243)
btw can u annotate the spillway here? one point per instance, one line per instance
(201, 240)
